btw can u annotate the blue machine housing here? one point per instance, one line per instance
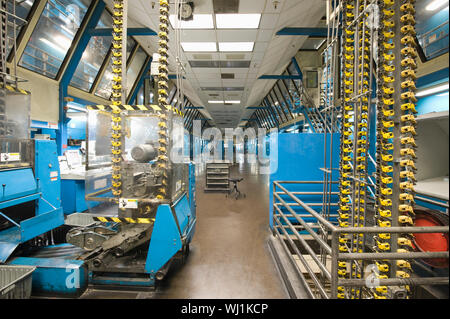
(173, 230)
(299, 158)
(41, 185)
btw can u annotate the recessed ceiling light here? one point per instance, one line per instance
(237, 21)
(199, 46)
(215, 102)
(435, 5)
(200, 21)
(233, 102)
(236, 46)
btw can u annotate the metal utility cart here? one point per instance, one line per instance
(217, 177)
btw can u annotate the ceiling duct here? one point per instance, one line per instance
(226, 6)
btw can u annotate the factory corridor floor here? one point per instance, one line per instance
(229, 257)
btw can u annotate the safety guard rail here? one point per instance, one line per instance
(288, 226)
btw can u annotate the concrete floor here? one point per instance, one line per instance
(229, 256)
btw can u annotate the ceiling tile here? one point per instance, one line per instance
(268, 21)
(260, 46)
(251, 6)
(265, 35)
(237, 35)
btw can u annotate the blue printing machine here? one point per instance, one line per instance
(41, 185)
(299, 158)
(65, 276)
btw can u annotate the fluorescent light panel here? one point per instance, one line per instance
(233, 102)
(436, 4)
(216, 102)
(236, 46)
(200, 21)
(199, 46)
(237, 21)
(433, 90)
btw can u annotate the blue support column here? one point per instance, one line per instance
(297, 67)
(274, 116)
(310, 32)
(93, 15)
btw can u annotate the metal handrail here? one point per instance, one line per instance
(284, 218)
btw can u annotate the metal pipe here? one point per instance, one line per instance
(305, 244)
(305, 264)
(397, 282)
(308, 209)
(294, 263)
(307, 227)
(394, 230)
(392, 256)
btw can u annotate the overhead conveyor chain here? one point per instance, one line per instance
(117, 106)
(163, 92)
(117, 65)
(3, 40)
(395, 131)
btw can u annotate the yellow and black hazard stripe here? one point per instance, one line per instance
(125, 220)
(14, 90)
(136, 108)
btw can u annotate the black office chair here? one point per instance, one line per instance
(235, 189)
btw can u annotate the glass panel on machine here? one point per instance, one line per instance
(53, 35)
(140, 175)
(15, 145)
(22, 10)
(104, 87)
(93, 57)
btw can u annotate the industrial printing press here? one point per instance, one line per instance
(142, 201)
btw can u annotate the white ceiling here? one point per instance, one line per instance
(271, 53)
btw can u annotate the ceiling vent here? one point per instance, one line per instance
(225, 89)
(235, 56)
(226, 6)
(227, 75)
(202, 56)
(219, 64)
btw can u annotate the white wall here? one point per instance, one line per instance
(44, 96)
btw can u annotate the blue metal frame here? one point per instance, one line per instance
(97, 10)
(311, 32)
(145, 69)
(280, 77)
(104, 32)
(297, 67)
